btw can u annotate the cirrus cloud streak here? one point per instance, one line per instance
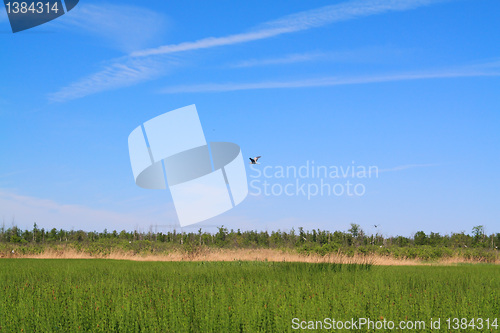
(489, 69)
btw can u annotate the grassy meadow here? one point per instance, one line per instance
(69, 295)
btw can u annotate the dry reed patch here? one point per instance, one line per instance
(206, 254)
(247, 255)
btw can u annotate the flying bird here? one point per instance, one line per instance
(254, 160)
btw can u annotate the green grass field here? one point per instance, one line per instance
(124, 296)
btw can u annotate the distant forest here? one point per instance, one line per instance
(475, 246)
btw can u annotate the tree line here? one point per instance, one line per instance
(354, 237)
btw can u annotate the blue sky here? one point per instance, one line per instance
(408, 86)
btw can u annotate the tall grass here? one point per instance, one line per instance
(125, 296)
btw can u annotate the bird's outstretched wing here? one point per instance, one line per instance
(252, 160)
(257, 158)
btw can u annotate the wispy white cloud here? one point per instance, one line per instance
(49, 214)
(210, 42)
(490, 69)
(127, 71)
(12, 173)
(126, 27)
(288, 59)
(3, 14)
(116, 75)
(407, 166)
(23, 211)
(342, 12)
(296, 22)
(373, 54)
